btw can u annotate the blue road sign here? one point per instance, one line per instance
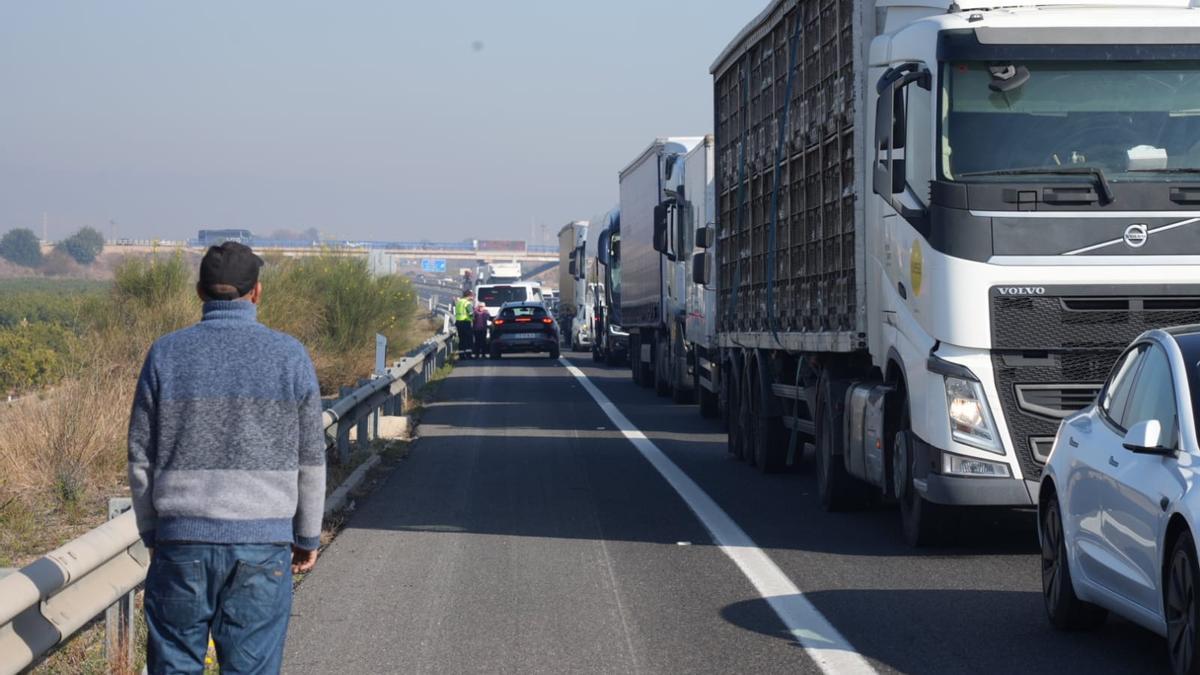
(426, 265)
(439, 265)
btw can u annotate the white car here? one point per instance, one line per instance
(1117, 512)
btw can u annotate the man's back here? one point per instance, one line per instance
(227, 419)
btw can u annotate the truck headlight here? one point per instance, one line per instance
(970, 420)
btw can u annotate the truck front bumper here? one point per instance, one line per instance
(956, 490)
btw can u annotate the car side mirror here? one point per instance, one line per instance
(1143, 438)
(700, 268)
(706, 236)
(660, 228)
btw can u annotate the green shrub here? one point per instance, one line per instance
(335, 306)
(84, 246)
(33, 356)
(21, 247)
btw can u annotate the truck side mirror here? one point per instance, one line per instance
(706, 236)
(700, 268)
(660, 228)
(602, 245)
(573, 269)
(891, 124)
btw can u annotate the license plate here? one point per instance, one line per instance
(526, 336)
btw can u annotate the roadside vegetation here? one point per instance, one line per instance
(71, 355)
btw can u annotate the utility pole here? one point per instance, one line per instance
(44, 237)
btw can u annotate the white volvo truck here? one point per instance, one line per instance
(938, 225)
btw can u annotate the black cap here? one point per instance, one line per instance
(230, 264)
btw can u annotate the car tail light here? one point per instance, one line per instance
(547, 321)
(498, 322)
(524, 319)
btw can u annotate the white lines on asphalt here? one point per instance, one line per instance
(820, 640)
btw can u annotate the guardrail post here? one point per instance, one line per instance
(343, 431)
(118, 618)
(363, 421)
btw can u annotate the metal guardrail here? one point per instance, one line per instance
(46, 602)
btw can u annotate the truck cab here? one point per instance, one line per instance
(1036, 182)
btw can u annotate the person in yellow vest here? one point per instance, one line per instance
(464, 310)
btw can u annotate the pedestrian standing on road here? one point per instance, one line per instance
(227, 471)
(480, 326)
(463, 315)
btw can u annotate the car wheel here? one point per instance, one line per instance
(1181, 606)
(1064, 609)
(554, 353)
(495, 351)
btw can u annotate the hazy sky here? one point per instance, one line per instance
(383, 120)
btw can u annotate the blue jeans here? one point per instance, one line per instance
(240, 593)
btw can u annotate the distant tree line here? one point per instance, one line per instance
(21, 246)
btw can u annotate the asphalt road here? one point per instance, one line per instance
(526, 534)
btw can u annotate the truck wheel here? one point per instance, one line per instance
(709, 407)
(746, 418)
(1065, 610)
(635, 364)
(612, 357)
(924, 523)
(660, 364)
(645, 370)
(680, 393)
(770, 451)
(732, 406)
(836, 489)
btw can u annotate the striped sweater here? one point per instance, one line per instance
(226, 443)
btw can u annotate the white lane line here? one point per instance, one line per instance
(820, 640)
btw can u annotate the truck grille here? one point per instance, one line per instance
(1053, 351)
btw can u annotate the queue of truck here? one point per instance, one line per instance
(918, 240)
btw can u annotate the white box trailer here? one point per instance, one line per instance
(938, 224)
(572, 258)
(653, 271)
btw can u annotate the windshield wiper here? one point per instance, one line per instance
(1102, 187)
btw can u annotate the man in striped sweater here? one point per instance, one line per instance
(227, 471)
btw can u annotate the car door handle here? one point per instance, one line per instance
(1112, 461)
(1072, 442)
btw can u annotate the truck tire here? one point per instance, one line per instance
(612, 357)
(734, 437)
(836, 489)
(747, 423)
(635, 365)
(770, 446)
(680, 391)
(645, 370)
(660, 363)
(709, 403)
(923, 522)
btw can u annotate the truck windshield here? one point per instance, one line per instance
(1134, 121)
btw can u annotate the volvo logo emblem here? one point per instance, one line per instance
(1136, 235)
(1021, 290)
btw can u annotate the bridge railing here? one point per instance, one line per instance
(45, 603)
